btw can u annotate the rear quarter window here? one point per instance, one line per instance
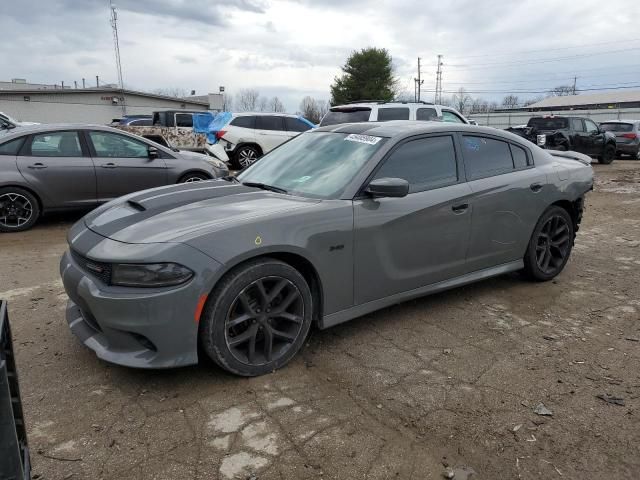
(617, 127)
(425, 114)
(12, 147)
(393, 113)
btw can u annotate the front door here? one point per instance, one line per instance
(595, 138)
(406, 243)
(59, 167)
(123, 165)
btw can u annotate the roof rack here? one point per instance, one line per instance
(387, 101)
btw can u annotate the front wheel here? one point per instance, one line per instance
(245, 156)
(550, 245)
(257, 318)
(608, 155)
(19, 209)
(193, 177)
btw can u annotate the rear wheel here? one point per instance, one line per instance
(550, 245)
(257, 318)
(19, 209)
(608, 155)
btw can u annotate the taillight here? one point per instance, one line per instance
(632, 136)
(220, 134)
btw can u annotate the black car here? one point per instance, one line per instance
(570, 133)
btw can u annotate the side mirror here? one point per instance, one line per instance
(153, 152)
(388, 187)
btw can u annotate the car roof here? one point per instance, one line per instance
(405, 128)
(245, 114)
(386, 104)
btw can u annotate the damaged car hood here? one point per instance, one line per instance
(180, 212)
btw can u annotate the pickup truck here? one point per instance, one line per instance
(565, 133)
(174, 129)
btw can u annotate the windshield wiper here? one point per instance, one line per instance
(264, 186)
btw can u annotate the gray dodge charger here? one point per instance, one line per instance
(335, 223)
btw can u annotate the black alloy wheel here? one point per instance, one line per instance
(19, 209)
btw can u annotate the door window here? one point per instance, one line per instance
(591, 127)
(386, 114)
(11, 147)
(184, 120)
(519, 157)
(484, 157)
(246, 121)
(576, 125)
(295, 125)
(425, 163)
(56, 144)
(112, 145)
(269, 122)
(448, 116)
(426, 114)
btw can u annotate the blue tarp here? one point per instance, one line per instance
(209, 124)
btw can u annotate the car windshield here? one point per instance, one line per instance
(314, 164)
(549, 123)
(617, 127)
(346, 115)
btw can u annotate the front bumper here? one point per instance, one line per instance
(137, 327)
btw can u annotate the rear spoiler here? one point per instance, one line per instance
(580, 157)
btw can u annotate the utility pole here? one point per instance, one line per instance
(116, 45)
(83, 84)
(438, 97)
(575, 79)
(418, 83)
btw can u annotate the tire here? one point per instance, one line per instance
(19, 209)
(244, 156)
(608, 155)
(261, 300)
(193, 177)
(552, 239)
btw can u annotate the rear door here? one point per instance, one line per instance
(123, 165)
(406, 243)
(58, 165)
(270, 131)
(507, 199)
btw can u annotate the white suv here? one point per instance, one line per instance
(385, 111)
(248, 136)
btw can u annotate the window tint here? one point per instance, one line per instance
(617, 127)
(184, 120)
(112, 145)
(484, 157)
(591, 127)
(426, 114)
(56, 144)
(347, 115)
(386, 114)
(295, 125)
(247, 121)
(519, 157)
(548, 123)
(576, 125)
(11, 147)
(144, 122)
(269, 122)
(424, 163)
(448, 116)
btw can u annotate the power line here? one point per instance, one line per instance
(538, 91)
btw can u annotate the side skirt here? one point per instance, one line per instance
(359, 310)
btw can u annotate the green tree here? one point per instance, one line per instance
(368, 75)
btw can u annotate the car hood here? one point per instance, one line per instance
(181, 212)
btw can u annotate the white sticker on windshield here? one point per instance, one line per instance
(368, 139)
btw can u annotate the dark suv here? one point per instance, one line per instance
(627, 134)
(570, 133)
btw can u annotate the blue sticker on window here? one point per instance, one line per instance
(472, 144)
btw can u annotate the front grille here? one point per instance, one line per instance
(99, 270)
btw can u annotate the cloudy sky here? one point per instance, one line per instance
(293, 48)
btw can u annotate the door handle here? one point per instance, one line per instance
(109, 165)
(463, 207)
(37, 166)
(535, 187)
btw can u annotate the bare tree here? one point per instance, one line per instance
(227, 102)
(562, 91)
(309, 109)
(262, 104)
(478, 105)
(461, 99)
(175, 92)
(493, 106)
(275, 105)
(531, 101)
(510, 101)
(247, 100)
(323, 108)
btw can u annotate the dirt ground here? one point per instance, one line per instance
(448, 381)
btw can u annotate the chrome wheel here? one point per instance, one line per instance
(193, 179)
(264, 321)
(553, 244)
(247, 156)
(15, 210)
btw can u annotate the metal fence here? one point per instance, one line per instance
(511, 119)
(14, 453)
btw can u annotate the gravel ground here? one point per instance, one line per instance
(446, 382)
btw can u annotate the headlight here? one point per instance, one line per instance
(149, 275)
(216, 163)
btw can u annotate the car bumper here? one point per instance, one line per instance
(218, 151)
(629, 148)
(134, 327)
